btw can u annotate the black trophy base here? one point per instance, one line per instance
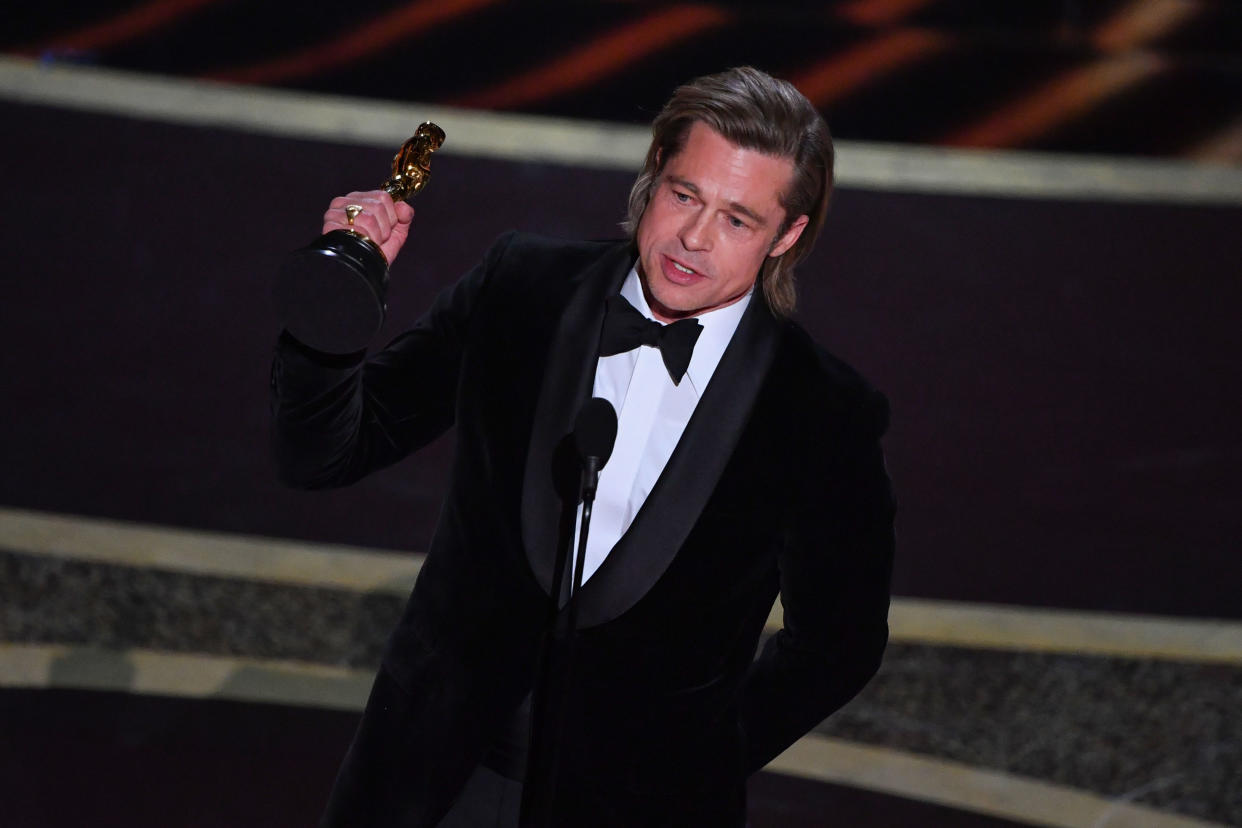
(330, 294)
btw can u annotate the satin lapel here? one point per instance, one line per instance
(688, 480)
(566, 386)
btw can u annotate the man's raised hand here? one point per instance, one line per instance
(381, 220)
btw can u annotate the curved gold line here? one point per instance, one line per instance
(966, 787)
(598, 144)
(814, 757)
(916, 621)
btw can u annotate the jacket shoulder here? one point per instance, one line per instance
(532, 250)
(831, 385)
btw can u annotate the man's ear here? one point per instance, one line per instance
(791, 234)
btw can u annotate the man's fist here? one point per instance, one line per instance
(381, 220)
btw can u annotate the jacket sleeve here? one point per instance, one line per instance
(835, 571)
(337, 418)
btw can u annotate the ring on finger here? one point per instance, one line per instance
(352, 211)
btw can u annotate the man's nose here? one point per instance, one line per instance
(695, 233)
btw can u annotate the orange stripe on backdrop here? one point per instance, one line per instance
(835, 77)
(1143, 21)
(1058, 101)
(1224, 147)
(371, 37)
(128, 25)
(878, 12)
(599, 58)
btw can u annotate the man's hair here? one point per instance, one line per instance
(755, 111)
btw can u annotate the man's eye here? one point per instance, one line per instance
(682, 197)
(734, 221)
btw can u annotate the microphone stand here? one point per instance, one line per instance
(590, 482)
(539, 789)
(595, 432)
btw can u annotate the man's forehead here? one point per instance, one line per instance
(708, 159)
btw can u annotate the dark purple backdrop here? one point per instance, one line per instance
(1064, 376)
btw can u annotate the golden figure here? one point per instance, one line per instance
(331, 294)
(411, 166)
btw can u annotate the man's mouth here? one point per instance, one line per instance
(679, 273)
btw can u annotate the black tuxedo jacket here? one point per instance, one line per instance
(778, 483)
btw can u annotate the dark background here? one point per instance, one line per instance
(1063, 376)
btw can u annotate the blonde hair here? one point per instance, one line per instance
(755, 111)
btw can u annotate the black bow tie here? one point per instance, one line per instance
(625, 329)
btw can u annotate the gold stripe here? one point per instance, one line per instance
(916, 621)
(187, 675)
(813, 757)
(968, 788)
(945, 623)
(209, 553)
(599, 145)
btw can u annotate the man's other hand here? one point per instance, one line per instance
(382, 221)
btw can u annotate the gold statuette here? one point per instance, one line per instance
(330, 294)
(411, 166)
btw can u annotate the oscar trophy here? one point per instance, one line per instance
(331, 294)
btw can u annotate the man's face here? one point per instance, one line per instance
(713, 218)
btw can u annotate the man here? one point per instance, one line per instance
(756, 467)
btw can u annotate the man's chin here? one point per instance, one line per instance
(667, 302)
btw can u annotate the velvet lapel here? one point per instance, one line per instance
(661, 526)
(566, 386)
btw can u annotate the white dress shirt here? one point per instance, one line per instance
(652, 413)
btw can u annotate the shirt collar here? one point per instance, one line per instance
(718, 327)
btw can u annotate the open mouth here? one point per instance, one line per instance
(677, 272)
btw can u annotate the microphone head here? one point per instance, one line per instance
(596, 429)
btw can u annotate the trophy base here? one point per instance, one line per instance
(330, 294)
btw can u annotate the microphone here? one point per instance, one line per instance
(595, 432)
